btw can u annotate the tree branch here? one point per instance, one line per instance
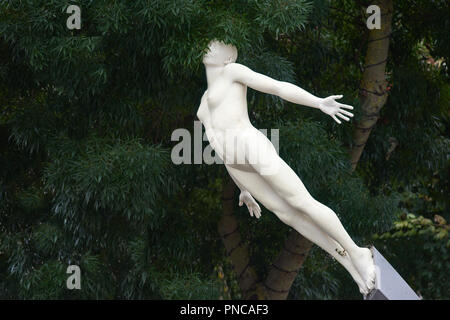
(228, 228)
(285, 268)
(373, 94)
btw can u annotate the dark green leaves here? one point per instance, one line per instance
(122, 177)
(282, 16)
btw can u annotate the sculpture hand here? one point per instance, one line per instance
(335, 109)
(252, 206)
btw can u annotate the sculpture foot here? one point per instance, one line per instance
(363, 262)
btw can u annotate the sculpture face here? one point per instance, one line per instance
(219, 53)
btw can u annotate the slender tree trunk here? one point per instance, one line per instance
(286, 267)
(249, 283)
(373, 94)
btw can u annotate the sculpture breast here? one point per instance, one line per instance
(214, 100)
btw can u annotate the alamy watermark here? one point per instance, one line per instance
(230, 146)
(374, 20)
(74, 280)
(74, 20)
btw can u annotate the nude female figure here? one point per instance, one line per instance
(223, 112)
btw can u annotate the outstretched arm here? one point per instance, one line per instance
(288, 91)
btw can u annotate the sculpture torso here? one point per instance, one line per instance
(223, 111)
(227, 105)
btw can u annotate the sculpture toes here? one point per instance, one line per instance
(363, 292)
(371, 279)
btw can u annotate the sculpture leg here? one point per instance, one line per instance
(285, 182)
(312, 232)
(328, 221)
(262, 191)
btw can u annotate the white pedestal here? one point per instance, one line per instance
(389, 285)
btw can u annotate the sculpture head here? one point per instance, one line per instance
(220, 53)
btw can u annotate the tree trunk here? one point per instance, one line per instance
(286, 266)
(228, 228)
(373, 94)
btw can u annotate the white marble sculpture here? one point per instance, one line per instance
(256, 168)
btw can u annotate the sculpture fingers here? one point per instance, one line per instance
(342, 116)
(251, 211)
(345, 106)
(346, 112)
(256, 211)
(336, 119)
(336, 96)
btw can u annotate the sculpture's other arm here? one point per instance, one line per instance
(288, 91)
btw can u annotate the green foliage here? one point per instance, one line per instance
(317, 279)
(429, 262)
(283, 17)
(107, 176)
(191, 287)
